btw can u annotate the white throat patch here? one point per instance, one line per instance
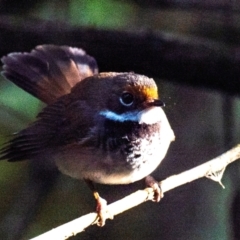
(148, 116)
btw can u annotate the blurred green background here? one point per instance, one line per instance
(199, 117)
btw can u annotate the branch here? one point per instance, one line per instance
(212, 169)
(207, 5)
(189, 60)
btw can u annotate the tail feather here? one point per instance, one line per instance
(48, 72)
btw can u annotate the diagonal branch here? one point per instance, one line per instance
(212, 169)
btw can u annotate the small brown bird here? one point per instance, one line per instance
(106, 128)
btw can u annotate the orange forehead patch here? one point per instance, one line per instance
(144, 91)
(150, 93)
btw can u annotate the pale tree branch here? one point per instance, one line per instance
(212, 169)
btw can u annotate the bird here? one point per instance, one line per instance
(107, 127)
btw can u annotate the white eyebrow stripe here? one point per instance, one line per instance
(148, 116)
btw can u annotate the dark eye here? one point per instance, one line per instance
(126, 99)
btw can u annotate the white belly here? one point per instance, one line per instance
(100, 167)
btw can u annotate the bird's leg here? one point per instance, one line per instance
(158, 193)
(101, 205)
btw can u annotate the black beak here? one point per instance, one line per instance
(157, 103)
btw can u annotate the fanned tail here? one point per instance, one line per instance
(48, 72)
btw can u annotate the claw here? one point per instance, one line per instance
(102, 210)
(158, 193)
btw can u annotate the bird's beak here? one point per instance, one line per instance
(156, 103)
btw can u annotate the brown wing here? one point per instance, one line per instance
(59, 124)
(37, 139)
(48, 72)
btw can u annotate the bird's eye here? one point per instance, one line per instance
(126, 99)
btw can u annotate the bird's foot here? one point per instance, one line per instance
(102, 210)
(157, 190)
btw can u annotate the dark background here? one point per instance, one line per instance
(191, 48)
